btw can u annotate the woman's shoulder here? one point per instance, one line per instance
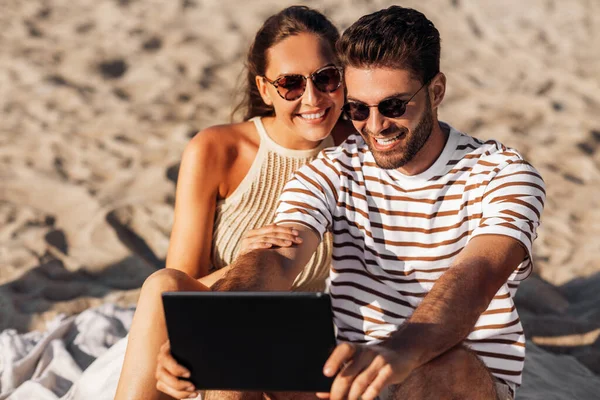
(219, 140)
(224, 135)
(219, 147)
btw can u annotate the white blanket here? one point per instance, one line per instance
(62, 363)
(59, 364)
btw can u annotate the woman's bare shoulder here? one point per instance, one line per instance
(223, 135)
(219, 141)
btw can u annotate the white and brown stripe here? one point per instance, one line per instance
(395, 235)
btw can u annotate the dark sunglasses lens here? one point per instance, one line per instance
(356, 111)
(291, 87)
(328, 79)
(392, 108)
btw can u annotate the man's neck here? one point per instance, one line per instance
(429, 153)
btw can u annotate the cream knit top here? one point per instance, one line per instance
(253, 204)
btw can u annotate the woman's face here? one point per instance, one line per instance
(311, 117)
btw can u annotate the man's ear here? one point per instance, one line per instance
(437, 89)
(261, 84)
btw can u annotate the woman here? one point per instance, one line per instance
(231, 176)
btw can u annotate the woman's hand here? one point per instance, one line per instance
(269, 236)
(168, 374)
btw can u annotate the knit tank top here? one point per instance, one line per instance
(253, 204)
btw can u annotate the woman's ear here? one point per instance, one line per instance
(261, 84)
(437, 89)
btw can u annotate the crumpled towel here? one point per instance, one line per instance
(50, 365)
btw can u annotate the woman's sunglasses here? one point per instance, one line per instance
(390, 108)
(291, 87)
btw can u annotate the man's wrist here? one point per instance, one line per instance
(409, 350)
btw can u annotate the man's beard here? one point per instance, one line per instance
(414, 141)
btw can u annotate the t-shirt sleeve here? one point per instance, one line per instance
(310, 196)
(512, 205)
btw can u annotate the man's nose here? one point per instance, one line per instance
(376, 122)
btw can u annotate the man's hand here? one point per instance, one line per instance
(364, 371)
(168, 372)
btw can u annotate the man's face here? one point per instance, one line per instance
(394, 142)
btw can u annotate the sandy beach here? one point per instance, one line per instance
(99, 98)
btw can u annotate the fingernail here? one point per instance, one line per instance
(295, 232)
(193, 395)
(299, 240)
(186, 374)
(190, 388)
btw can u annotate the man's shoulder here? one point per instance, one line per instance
(486, 153)
(487, 159)
(495, 155)
(333, 162)
(351, 150)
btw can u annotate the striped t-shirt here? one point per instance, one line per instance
(395, 235)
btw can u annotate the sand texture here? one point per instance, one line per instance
(99, 97)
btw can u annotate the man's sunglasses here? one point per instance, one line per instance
(390, 108)
(291, 87)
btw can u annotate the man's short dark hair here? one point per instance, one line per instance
(396, 37)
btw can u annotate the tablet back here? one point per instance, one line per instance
(254, 341)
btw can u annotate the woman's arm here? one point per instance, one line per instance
(203, 168)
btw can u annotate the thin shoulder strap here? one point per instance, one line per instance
(260, 128)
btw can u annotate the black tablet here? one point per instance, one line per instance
(252, 341)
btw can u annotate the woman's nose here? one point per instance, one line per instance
(311, 94)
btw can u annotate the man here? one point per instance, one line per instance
(432, 231)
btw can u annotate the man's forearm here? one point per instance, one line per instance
(446, 315)
(258, 270)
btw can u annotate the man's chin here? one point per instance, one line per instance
(387, 161)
